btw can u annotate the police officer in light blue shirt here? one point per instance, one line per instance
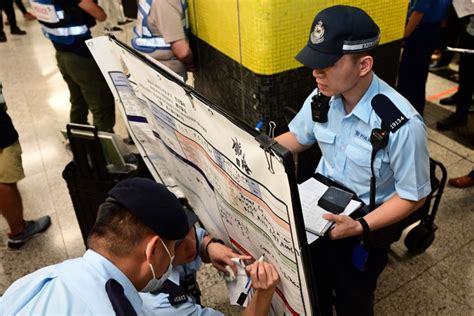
(180, 294)
(131, 249)
(340, 54)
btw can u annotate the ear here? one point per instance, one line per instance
(366, 64)
(151, 247)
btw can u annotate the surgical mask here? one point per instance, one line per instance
(155, 284)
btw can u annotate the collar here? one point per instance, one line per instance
(108, 270)
(363, 108)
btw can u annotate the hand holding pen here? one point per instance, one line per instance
(263, 277)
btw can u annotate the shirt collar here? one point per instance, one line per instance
(109, 271)
(363, 108)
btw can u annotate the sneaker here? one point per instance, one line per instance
(32, 228)
(451, 100)
(18, 31)
(3, 37)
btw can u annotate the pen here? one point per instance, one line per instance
(243, 295)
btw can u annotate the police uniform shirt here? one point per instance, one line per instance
(401, 167)
(159, 304)
(73, 287)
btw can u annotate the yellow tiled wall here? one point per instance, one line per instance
(265, 35)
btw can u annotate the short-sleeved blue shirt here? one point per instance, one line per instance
(159, 304)
(402, 167)
(434, 10)
(73, 287)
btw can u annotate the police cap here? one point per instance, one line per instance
(154, 205)
(336, 31)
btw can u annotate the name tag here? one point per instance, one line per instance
(44, 12)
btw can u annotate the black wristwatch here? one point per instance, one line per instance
(366, 229)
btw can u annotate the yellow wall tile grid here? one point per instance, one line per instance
(265, 35)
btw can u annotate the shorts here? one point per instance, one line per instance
(11, 169)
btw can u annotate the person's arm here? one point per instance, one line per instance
(413, 21)
(289, 141)
(392, 211)
(265, 279)
(219, 255)
(183, 52)
(93, 9)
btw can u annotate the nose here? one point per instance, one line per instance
(318, 73)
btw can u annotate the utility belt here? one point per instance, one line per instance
(379, 238)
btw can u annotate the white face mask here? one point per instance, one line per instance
(155, 284)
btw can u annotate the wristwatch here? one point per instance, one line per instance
(366, 229)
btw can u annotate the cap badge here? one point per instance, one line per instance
(317, 36)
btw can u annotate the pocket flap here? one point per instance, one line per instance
(323, 135)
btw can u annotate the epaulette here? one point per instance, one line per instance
(392, 118)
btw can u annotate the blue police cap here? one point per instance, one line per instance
(336, 31)
(154, 205)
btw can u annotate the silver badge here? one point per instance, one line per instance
(317, 36)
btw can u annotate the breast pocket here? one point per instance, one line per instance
(358, 170)
(326, 141)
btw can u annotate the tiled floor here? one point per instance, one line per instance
(437, 282)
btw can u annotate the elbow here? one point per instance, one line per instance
(184, 55)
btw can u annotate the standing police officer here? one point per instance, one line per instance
(339, 52)
(66, 23)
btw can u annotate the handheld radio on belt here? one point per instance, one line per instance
(392, 120)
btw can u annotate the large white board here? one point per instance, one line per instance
(219, 167)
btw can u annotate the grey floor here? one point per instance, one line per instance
(437, 282)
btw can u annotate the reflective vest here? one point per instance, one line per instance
(143, 40)
(62, 25)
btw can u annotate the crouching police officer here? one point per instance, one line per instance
(180, 294)
(131, 249)
(365, 123)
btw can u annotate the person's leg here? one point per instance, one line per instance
(10, 12)
(11, 171)
(96, 92)
(21, 6)
(355, 289)
(11, 207)
(26, 15)
(79, 107)
(466, 76)
(3, 37)
(414, 66)
(466, 87)
(324, 265)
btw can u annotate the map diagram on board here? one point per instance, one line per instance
(202, 155)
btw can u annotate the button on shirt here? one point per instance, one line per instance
(402, 167)
(73, 287)
(160, 305)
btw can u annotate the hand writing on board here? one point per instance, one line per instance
(264, 276)
(220, 256)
